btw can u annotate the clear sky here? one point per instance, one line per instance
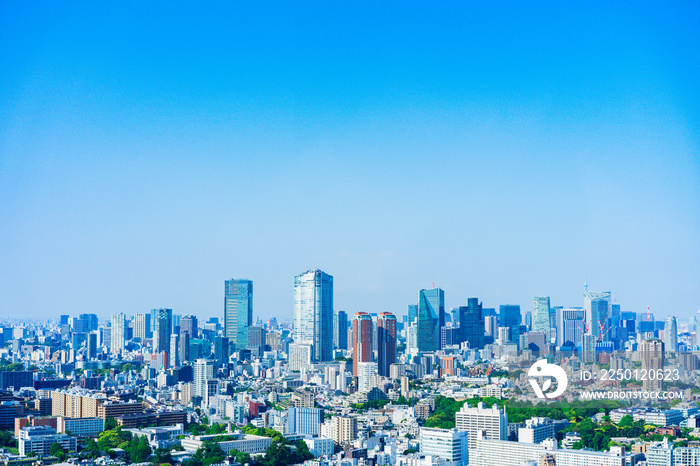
(151, 150)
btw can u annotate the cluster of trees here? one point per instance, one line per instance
(375, 404)
(518, 411)
(202, 429)
(444, 415)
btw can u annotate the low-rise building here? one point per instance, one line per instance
(38, 440)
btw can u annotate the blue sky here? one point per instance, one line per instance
(151, 150)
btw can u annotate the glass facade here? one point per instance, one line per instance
(238, 311)
(431, 305)
(313, 312)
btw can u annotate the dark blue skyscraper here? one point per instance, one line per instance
(340, 330)
(238, 311)
(431, 306)
(471, 323)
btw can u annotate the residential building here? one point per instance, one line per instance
(386, 342)
(361, 340)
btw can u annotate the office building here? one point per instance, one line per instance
(340, 330)
(493, 422)
(305, 421)
(652, 355)
(300, 356)
(671, 335)
(571, 326)
(540, 315)
(174, 353)
(313, 313)
(118, 333)
(203, 372)
(361, 340)
(221, 350)
(598, 308)
(162, 320)
(38, 440)
(386, 342)
(412, 314)
(509, 316)
(536, 430)
(238, 311)
(142, 326)
(431, 312)
(449, 444)
(188, 325)
(91, 345)
(471, 323)
(16, 379)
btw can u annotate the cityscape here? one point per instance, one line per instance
(429, 386)
(349, 233)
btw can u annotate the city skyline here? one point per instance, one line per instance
(503, 153)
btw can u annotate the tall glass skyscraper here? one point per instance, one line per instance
(238, 311)
(598, 308)
(340, 330)
(671, 334)
(540, 315)
(313, 312)
(570, 326)
(431, 306)
(386, 342)
(471, 323)
(162, 329)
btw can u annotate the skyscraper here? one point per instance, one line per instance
(671, 335)
(188, 324)
(221, 352)
(540, 315)
(203, 371)
(386, 344)
(92, 345)
(509, 316)
(598, 309)
(412, 313)
(118, 333)
(361, 340)
(431, 306)
(471, 323)
(652, 354)
(174, 353)
(142, 326)
(340, 330)
(162, 329)
(238, 311)
(313, 312)
(571, 326)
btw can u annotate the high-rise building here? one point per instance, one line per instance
(365, 372)
(221, 351)
(184, 347)
(509, 316)
(306, 421)
(118, 333)
(448, 444)
(471, 323)
(492, 422)
(652, 355)
(540, 314)
(238, 311)
(90, 320)
(92, 345)
(598, 309)
(313, 312)
(671, 335)
(571, 325)
(431, 312)
(412, 313)
(63, 319)
(386, 344)
(162, 320)
(174, 353)
(188, 324)
(142, 326)
(343, 429)
(203, 371)
(340, 330)
(361, 340)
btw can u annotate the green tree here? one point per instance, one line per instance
(56, 449)
(162, 456)
(210, 453)
(301, 453)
